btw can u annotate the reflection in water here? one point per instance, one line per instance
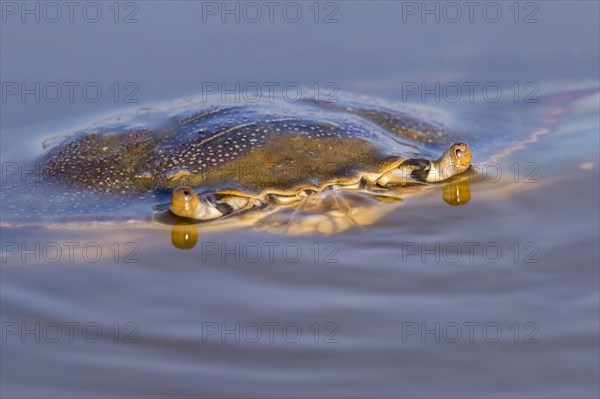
(458, 193)
(184, 235)
(329, 218)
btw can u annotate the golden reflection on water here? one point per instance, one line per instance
(184, 235)
(457, 194)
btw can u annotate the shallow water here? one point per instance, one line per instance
(495, 298)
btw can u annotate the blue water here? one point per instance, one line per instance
(496, 298)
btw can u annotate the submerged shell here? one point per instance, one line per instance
(254, 147)
(111, 170)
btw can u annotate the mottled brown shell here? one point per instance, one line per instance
(251, 149)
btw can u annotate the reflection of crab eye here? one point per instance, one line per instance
(459, 153)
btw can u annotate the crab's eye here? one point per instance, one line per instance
(459, 153)
(184, 201)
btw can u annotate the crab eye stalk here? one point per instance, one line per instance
(184, 202)
(461, 154)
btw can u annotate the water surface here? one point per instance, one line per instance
(400, 308)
